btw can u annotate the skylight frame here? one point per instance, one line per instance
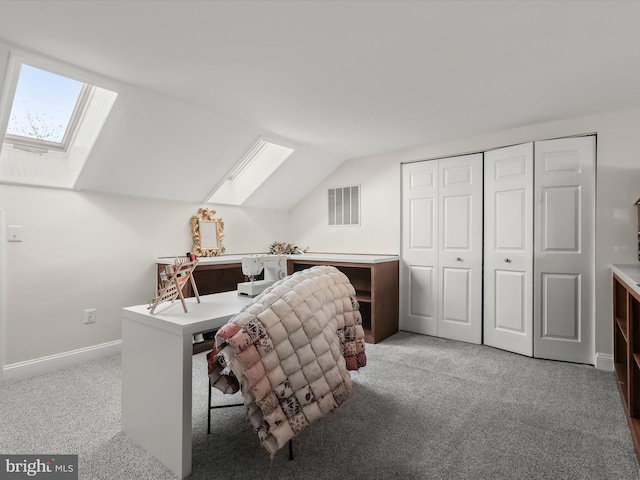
(24, 142)
(39, 145)
(42, 166)
(237, 186)
(249, 158)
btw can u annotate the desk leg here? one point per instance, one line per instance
(156, 393)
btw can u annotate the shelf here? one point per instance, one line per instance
(365, 312)
(634, 428)
(634, 387)
(621, 380)
(363, 296)
(621, 372)
(636, 357)
(622, 326)
(626, 353)
(203, 346)
(634, 324)
(376, 286)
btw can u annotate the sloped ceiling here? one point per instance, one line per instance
(337, 79)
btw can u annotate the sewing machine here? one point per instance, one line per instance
(274, 266)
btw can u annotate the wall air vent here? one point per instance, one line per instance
(344, 206)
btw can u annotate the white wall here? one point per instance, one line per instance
(84, 250)
(618, 186)
(87, 250)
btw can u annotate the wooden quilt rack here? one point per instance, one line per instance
(172, 281)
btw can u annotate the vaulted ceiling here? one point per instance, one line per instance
(337, 79)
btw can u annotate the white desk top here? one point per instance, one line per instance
(213, 312)
(345, 257)
(324, 257)
(628, 273)
(220, 260)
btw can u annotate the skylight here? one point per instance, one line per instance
(250, 172)
(51, 115)
(45, 108)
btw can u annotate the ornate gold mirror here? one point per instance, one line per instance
(208, 232)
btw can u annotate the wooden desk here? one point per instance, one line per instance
(212, 274)
(375, 279)
(157, 373)
(626, 343)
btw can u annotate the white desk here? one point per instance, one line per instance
(157, 373)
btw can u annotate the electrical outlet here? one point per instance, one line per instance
(90, 315)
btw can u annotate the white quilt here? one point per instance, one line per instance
(290, 351)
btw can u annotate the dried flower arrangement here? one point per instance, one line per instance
(282, 248)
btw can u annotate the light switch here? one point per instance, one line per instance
(14, 233)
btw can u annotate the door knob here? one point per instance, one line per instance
(507, 260)
(458, 259)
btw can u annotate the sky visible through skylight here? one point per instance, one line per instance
(43, 104)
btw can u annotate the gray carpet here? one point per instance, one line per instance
(423, 408)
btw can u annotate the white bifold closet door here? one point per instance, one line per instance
(460, 248)
(508, 249)
(441, 278)
(419, 258)
(564, 257)
(539, 249)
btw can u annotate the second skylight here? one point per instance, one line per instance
(250, 172)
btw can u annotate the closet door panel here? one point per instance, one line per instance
(460, 253)
(510, 316)
(560, 307)
(510, 220)
(560, 219)
(565, 249)
(419, 254)
(457, 229)
(508, 249)
(421, 236)
(456, 295)
(421, 285)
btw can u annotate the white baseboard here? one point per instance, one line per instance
(50, 363)
(604, 361)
